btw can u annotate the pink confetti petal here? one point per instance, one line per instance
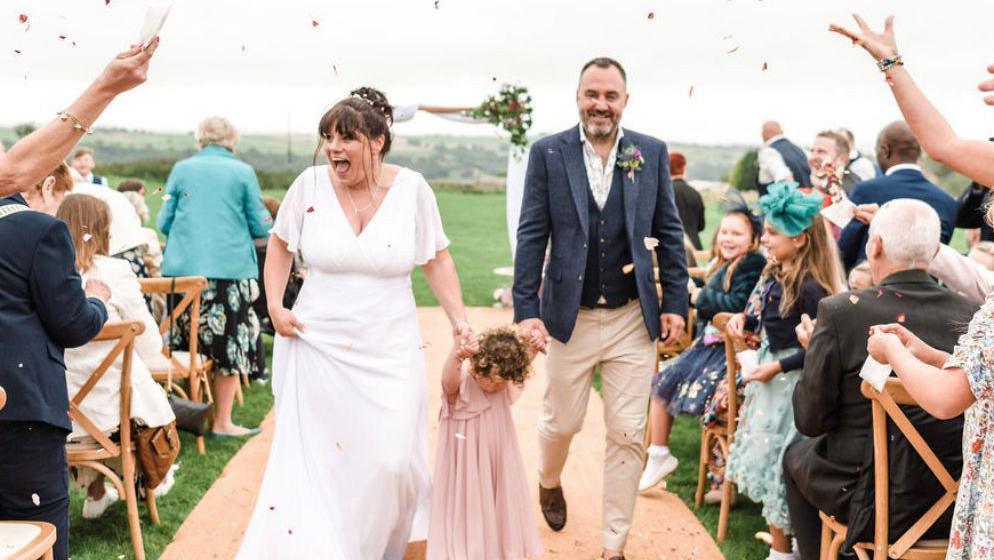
(880, 292)
(652, 16)
(900, 317)
(23, 18)
(765, 67)
(310, 210)
(267, 219)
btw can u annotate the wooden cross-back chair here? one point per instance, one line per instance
(94, 454)
(666, 351)
(722, 435)
(25, 540)
(188, 365)
(910, 546)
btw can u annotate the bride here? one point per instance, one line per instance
(347, 475)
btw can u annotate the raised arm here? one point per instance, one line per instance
(37, 154)
(973, 158)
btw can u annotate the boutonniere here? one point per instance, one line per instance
(630, 159)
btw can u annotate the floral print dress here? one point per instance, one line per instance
(972, 535)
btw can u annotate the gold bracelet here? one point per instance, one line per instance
(77, 124)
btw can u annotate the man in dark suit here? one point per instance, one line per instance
(897, 152)
(604, 198)
(832, 472)
(43, 310)
(689, 203)
(779, 159)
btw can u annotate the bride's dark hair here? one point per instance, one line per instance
(364, 112)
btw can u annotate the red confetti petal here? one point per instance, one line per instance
(314, 23)
(765, 67)
(271, 508)
(900, 317)
(691, 92)
(652, 15)
(290, 531)
(310, 210)
(17, 51)
(23, 18)
(63, 37)
(267, 219)
(880, 292)
(106, 2)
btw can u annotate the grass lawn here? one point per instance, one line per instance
(108, 537)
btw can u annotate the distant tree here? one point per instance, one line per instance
(23, 130)
(745, 174)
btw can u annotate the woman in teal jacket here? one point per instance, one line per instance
(212, 211)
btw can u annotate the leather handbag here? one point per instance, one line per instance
(157, 451)
(191, 417)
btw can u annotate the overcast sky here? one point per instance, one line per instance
(263, 64)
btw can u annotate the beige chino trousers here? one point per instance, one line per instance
(617, 340)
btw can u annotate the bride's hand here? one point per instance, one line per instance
(285, 323)
(879, 45)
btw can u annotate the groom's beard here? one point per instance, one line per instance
(600, 131)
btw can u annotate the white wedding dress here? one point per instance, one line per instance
(347, 476)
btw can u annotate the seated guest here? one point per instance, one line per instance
(153, 247)
(134, 185)
(88, 219)
(897, 152)
(689, 204)
(832, 472)
(687, 384)
(127, 240)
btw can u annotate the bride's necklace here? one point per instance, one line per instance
(355, 209)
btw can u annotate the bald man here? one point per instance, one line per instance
(898, 152)
(780, 159)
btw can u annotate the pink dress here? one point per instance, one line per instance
(480, 503)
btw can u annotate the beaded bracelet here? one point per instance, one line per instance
(885, 64)
(77, 124)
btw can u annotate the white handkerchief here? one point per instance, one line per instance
(748, 362)
(875, 373)
(840, 213)
(155, 18)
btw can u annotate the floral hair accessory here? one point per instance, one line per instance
(630, 159)
(789, 210)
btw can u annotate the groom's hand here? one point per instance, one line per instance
(535, 325)
(671, 327)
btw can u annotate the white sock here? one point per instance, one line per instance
(776, 555)
(659, 450)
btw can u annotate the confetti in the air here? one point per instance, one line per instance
(310, 210)
(854, 299)
(691, 92)
(35, 499)
(23, 18)
(436, 4)
(87, 237)
(652, 15)
(730, 51)
(765, 67)
(267, 219)
(900, 317)
(460, 436)
(314, 23)
(166, 196)
(338, 445)
(63, 37)
(17, 51)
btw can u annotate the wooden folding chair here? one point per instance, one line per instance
(722, 435)
(910, 546)
(187, 365)
(94, 454)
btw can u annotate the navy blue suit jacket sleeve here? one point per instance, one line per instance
(533, 237)
(668, 229)
(852, 234)
(69, 317)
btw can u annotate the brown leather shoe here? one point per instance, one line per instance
(553, 506)
(614, 558)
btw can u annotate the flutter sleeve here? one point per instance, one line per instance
(290, 219)
(470, 402)
(429, 235)
(974, 352)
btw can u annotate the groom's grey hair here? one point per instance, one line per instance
(909, 230)
(606, 62)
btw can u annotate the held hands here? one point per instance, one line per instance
(918, 348)
(466, 346)
(804, 330)
(97, 289)
(736, 326)
(285, 323)
(763, 372)
(881, 344)
(533, 330)
(879, 45)
(671, 327)
(128, 70)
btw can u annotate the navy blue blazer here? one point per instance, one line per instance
(555, 206)
(43, 310)
(904, 183)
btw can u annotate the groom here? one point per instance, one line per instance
(603, 196)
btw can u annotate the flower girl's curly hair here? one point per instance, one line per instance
(502, 354)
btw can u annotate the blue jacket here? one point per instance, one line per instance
(43, 311)
(212, 211)
(555, 206)
(904, 183)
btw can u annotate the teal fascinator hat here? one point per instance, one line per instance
(788, 209)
